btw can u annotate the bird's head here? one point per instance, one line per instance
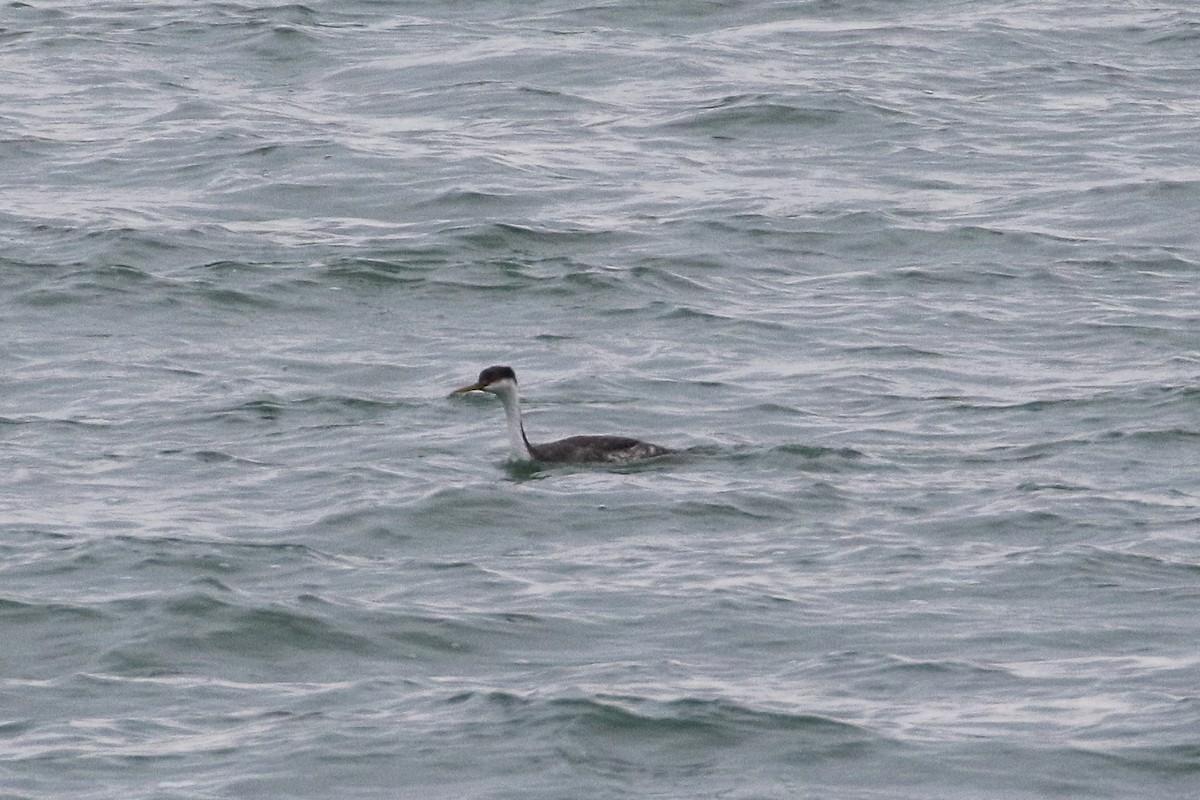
(494, 380)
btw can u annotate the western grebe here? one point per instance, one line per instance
(502, 382)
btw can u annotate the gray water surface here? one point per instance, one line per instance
(913, 286)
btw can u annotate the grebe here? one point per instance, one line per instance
(502, 382)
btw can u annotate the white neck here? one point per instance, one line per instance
(518, 446)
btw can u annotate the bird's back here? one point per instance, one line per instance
(596, 449)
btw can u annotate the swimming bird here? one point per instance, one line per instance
(502, 382)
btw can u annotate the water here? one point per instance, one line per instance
(912, 285)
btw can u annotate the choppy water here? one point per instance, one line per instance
(914, 285)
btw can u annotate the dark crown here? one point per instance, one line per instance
(493, 374)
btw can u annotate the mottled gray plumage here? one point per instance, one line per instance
(596, 449)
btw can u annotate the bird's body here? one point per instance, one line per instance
(596, 449)
(502, 382)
